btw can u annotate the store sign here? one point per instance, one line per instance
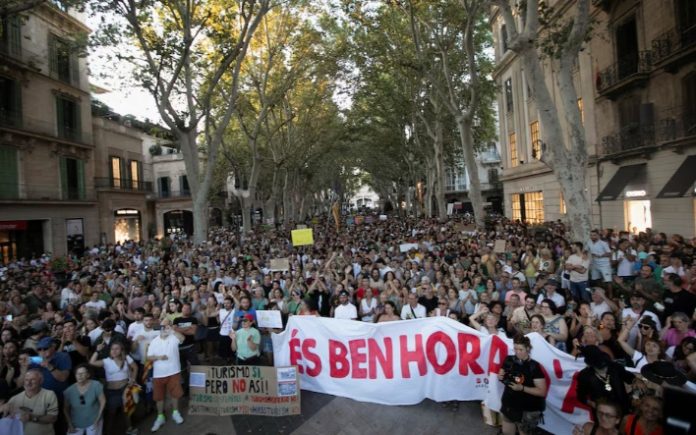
(13, 225)
(126, 212)
(635, 193)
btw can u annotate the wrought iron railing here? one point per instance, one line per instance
(43, 192)
(672, 126)
(672, 41)
(16, 120)
(626, 68)
(174, 194)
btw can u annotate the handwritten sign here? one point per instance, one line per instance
(499, 246)
(269, 319)
(280, 264)
(302, 237)
(405, 247)
(244, 390)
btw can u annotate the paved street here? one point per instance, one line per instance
(324, 414)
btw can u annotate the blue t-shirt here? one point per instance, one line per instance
(61, 361)
(83, 416)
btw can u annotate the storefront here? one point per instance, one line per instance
(630, 184)
(178, 222)
(127, 225)
(20, 238)
(528, 207)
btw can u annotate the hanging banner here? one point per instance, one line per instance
(244, 390)
(405, 362)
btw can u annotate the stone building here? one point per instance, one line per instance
(47, 202)
(636, 82)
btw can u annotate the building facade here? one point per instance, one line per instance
(120, 183)
(47, 202)
(636, 82)
(173, 207)
(457, 183)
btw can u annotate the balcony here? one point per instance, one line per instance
(13, 120)
(627, 73)
(20, 57)
(674, 48)
(174, 194)
(18, 192)
(674, 127)
(122, 184)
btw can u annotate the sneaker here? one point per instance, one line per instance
(158, 423)
(178, 419)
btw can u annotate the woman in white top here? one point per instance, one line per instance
(653, 348)
(368, 306)
(490, 323)
(121, 371)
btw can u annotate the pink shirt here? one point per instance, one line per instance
(673, 338)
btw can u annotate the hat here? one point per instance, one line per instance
(45, 343)
(249, 317)
(663, 371)
(642, 255)
(595, 357)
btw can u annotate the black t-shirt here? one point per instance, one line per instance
(591, 387)
(683, 301)
(522, 372)
(76, 357)
(185, 322)
(429, 304)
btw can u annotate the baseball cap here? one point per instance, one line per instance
(249, 317)
(45, 343)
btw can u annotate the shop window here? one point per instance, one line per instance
(516, 206)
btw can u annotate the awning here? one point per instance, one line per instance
(681, 181)
(631, 174)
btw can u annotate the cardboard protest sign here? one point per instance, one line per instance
(302, 237)
(244, 390)
(499, 246)
(405, 247)
(269, 319)
(280, 264)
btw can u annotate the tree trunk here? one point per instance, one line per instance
(439, 161)
(430, 178)
(199, 188)
(466, 135)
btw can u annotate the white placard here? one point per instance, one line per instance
(269, 319)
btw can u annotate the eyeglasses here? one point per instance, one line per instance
(645, 327)
(82, 399)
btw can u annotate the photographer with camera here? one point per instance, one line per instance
(525, 390)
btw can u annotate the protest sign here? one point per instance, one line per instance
(302, 237)
(383, 217)
(405, 247)
(244, 390)
(402, 363)
(499, 247)
(280, 264)
(269, 319)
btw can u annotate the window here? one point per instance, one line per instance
(72, 178)
(534, 207)
(10, 103)
(516, 206)
(64, 61)
(536, 140)
(68, 119)
(11, 35)
(689, 103)
(563, 205)
(512, 144)
(184, 185)
(504, 38)
(627, 48)
(134, 174)
(581, 108)
(9, 176)
(493, 176)
(163, 183)
(116, 172)
(508, 95)
(528, 207)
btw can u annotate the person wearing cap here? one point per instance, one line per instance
(246, 342)
(637, 311)
(55, 366)
(345, 309)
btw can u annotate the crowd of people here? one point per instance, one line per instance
(117, 332)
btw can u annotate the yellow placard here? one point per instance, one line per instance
(302, 237)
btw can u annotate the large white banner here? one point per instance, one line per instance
(404, 362)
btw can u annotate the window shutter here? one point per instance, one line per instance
(16, 104)
(53, 55)
(77, 124)
(64, 178)
(81, 179)
(60, 117)
(14, 34)
(74, 69)
(9, 174)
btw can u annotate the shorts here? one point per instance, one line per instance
(602, 271)
(169, 385)
(527, 421)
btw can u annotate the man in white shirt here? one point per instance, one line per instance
(413, 310)
(345, 310)
(600, 303)
(578, 268)
(550, 292)
(600, 265)
(142, 336)
(226, 320)
(68, 295)
(624, 258)
(637, 311)
(166, 372)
